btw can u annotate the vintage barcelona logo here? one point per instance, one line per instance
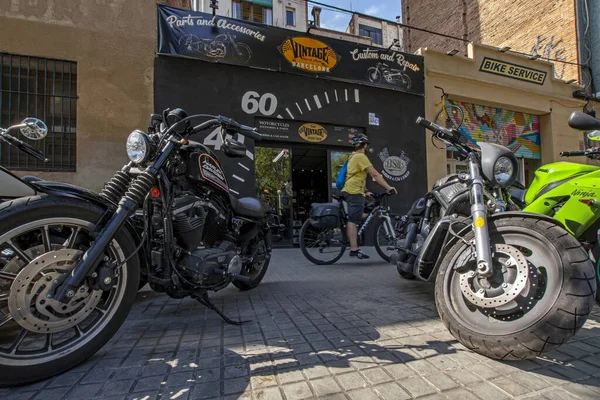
(312, 132)
(309, 54)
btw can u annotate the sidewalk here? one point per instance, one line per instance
(354, 330)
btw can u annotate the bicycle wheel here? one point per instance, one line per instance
(322, 246)
(384, 243)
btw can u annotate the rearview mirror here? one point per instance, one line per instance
(583, 122)
(233, 148)
(594, 135)
(34, 129)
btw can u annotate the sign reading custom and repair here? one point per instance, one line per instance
(511, 70)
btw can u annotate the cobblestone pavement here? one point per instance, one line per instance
(354, 330)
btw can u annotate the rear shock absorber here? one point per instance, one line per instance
(116, 187)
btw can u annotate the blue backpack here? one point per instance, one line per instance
(340, 181)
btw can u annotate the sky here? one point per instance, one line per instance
(387, 9)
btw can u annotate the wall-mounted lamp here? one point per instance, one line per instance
(452, 52)
(571, 81)
(504, 49)
(534, 57)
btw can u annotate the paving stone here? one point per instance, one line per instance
(442, 381)
(325, 386)
(116, 387)
(400, 371)
(352, 380)
(149, 384)
(297, 391)
(364, 394)
(510, 386)
(236, 385)
(268, 394)
(487, 391)
(418, 386)
(530, 380)
(560, 394)
(460, 394)
(391, 391)
(206, 390)
(376, 376)
(289, 376)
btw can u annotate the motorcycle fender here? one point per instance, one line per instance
(13, 187)
(524, 214)
(60, 189)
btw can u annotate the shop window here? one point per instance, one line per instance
(46, 89)
(290, 17)
(254, 11)
(374, 33)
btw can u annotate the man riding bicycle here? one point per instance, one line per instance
(355, 188)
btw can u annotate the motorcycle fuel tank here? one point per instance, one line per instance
(550, 176)
(11, 187)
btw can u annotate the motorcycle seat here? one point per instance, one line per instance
(30, 178)
(249, 207)
(518, 194)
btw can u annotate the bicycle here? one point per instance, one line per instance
(324, 232)
(217, 47)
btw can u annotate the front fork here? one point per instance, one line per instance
(479, 214)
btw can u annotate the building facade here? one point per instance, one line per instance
(547, 28)
(289, 14)
(86, 69)
(381, 33)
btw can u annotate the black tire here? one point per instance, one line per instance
(256, 272)
(568, 290)
(373, 75)
(406, 275)
(242, 54)
(379, 225)
(407, 82)
(315, 261)
(26, 210)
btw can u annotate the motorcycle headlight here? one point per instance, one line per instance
(138, 146)
(504, 171)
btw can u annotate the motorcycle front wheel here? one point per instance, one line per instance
(540, 294)
(41, 240)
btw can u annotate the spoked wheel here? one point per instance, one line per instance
(540, 293)
(257, 267)
(384, 241)
(322, 246)
(40, 244)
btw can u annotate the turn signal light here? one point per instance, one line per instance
(154, 192)
(588, 202)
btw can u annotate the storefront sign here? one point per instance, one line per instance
(220, 39)
(305, 132)
(514, 71)
(312, 133)
(395, 168)
(309, 54)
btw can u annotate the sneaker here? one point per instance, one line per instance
(359, 254)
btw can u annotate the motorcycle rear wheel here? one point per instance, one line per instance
(556, 301)
(44, 340)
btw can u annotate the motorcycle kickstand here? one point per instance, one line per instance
(205, 301)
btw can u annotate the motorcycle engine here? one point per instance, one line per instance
(198, 225)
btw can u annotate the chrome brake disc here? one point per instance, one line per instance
(30, 301)
(510, 290)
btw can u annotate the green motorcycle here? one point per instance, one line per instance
(570, 192)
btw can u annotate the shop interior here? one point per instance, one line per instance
(291, 178)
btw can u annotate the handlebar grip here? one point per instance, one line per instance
(249, 132)
(572, 153)
(423, 122)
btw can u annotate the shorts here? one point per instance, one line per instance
(356, 205)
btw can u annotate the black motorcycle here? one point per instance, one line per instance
(508, 284)
(71, 259)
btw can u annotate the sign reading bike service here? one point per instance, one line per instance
(511, 70)
(220, 39)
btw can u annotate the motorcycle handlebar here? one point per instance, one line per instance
(572, 153)
(451, 135)
(243, 130)
(24, 147)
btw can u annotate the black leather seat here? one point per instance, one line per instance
(249, 207)
(30, 178)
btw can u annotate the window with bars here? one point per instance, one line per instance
(43, 88)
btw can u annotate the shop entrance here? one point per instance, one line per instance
(291, 178)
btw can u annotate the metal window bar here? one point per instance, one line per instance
(32, 83)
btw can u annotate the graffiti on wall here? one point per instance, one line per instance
(551, 48)
(518, 131)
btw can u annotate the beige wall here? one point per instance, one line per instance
(461, 79)
(545, 27)
(113, 44)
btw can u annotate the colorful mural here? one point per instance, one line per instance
(518, 131)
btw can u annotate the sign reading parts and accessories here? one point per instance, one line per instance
(314, 133)
(309, 54)
(511, 70)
